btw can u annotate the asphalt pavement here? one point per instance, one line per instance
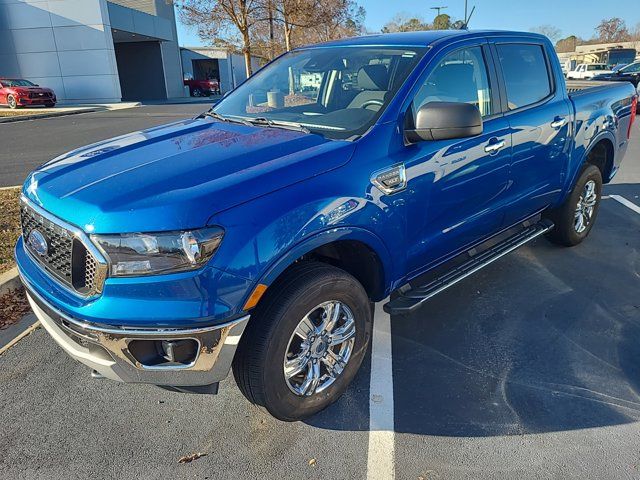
(529, 369)
(26, 145)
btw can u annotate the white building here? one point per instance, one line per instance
(93, 50)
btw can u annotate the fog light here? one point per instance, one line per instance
(179, 351)
(164, 353)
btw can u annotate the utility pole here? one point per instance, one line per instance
(438, 9)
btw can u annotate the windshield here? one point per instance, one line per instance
(596, 67)
(17, 83)
(633, 68)
(338, 92)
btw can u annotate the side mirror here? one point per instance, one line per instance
(444, 121)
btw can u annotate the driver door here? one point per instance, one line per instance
(455, 188)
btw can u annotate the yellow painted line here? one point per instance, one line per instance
(20, 337)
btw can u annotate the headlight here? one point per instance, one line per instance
(155, 253)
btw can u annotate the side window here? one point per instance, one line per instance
(459, 77)
(526, 74)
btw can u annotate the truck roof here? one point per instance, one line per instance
(422, 38)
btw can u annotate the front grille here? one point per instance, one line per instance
(66, 256)
(39, 95)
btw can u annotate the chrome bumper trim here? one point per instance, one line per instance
(105, 349)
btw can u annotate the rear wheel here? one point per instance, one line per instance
(197, 92)
(305, 341)
(574, 219)
(12, 102)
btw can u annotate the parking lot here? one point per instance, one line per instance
(528, 369)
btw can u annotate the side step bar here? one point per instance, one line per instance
(409, 301)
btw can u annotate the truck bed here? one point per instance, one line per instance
(574, 86)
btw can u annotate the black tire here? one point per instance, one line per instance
(197, 92)
(12, 102)
(258, 363)
(565, 231)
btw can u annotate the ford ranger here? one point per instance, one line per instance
(257, 237)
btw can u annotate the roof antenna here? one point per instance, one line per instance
(465, 24)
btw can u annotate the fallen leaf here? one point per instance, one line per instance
(13, 306)
(191, 458)
(312, 462)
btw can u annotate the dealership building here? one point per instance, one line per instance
(93, 51)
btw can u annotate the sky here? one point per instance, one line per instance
(572, 17)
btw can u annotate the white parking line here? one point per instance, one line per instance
(380, 460)
(626, 203)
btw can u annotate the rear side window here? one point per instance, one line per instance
(526, 74)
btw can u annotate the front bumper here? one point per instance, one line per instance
(26, 101)
(107, 349)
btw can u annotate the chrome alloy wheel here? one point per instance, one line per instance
(319, 348)
(585, 207)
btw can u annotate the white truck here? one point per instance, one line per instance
(586, 71)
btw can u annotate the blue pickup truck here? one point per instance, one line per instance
(257, 236)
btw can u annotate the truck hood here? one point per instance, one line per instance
(177, 176)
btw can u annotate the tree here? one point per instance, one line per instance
(612, 30)
(224, 20)
(568, 44)
(552, 33)
(306, 15)
(403, 23)
(635, 35)
(442, 22)
(343, 18)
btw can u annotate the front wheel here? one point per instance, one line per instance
(305, 342)
(12, 102)
(574, 219)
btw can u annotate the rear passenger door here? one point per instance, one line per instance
(538, 113)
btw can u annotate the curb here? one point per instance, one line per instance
(77, 111)
(16, 332)
(9, 281)
(35, 116)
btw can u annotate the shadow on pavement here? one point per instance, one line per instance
(546, 339)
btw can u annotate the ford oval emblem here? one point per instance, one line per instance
(38, 242)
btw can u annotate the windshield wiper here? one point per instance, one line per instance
(267, 122)
(222, 118)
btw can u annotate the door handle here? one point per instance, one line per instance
(494, 147)
(559, 122)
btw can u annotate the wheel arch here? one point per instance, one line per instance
(601, 154)
(603, 143)
(357, 251)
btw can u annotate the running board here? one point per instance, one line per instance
(410, 300)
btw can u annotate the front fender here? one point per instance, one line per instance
(264, 236)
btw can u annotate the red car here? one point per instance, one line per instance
(202, 88)
(16, 92)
